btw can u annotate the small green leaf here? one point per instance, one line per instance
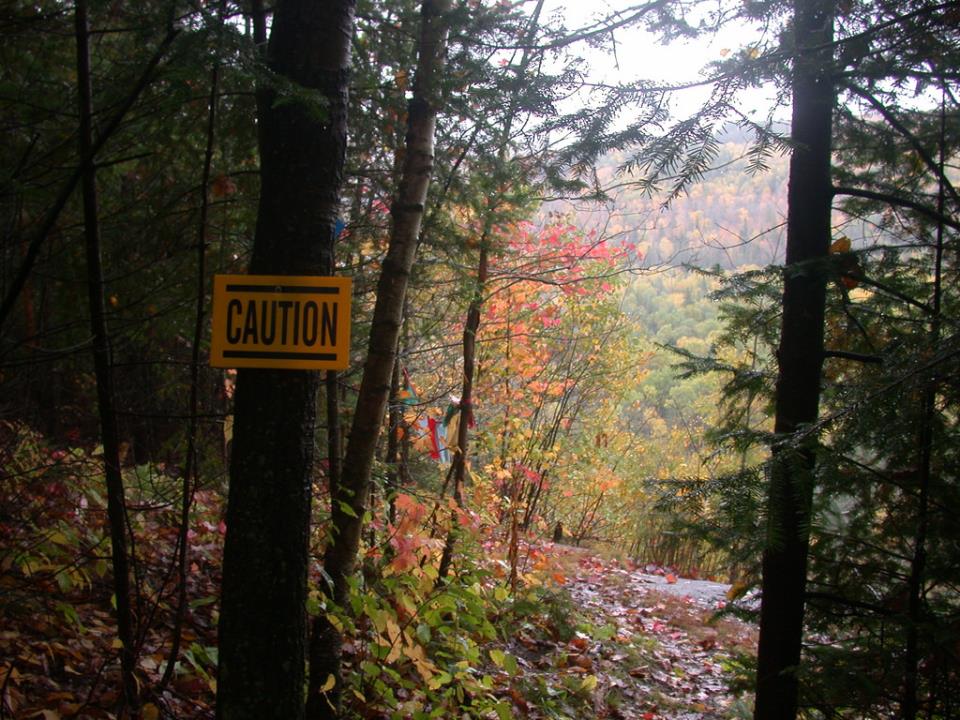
(589, 683)
(423, 633)
(201, 602)
(315, 605)
(438, 680)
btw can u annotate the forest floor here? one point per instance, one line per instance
(609, 640)
(674, 652)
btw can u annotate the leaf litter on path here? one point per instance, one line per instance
(669, 654)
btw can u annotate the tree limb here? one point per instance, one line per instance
(895, 123)
(858, 357)
(897, 201)
(33, 250)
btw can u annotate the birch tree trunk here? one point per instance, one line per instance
(349, 498)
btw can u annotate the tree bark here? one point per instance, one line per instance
(302, 139)
(469, 345)
(394, 425)
(349, 501)
(103, 368)
(800, 360)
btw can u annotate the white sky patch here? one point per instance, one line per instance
(632, 54)
(629, 55)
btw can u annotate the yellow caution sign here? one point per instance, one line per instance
(293, 322)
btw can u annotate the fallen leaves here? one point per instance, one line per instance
(58, 642)
(665, 646)
(616, 648)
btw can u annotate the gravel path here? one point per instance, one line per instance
(704, 592)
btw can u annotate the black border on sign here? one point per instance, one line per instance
(265, 355)
(293, 289)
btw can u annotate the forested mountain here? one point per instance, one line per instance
(730, 218)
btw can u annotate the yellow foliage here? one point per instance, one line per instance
(840, 245)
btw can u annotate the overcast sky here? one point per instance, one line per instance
(640, 55)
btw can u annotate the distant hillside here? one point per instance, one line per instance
(730, 218)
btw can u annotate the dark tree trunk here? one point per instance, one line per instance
(395, 425)
(350, 497)
(103, 367)
(800, 359)
(302, 148)
(459, 469)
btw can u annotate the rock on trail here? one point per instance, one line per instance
(704, 592)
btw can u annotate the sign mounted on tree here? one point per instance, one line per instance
(291, 322)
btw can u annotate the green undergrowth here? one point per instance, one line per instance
(469, 647)
(474, 645)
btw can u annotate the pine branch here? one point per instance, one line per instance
(892, 120)
(898, 202)
(33, 250)
(858, 357)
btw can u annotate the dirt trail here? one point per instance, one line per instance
(676, 656)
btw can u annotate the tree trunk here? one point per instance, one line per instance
(800, 360)
(395, 424)
(459, 469)
(103, 368)
(302, 148)
(349, 502)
